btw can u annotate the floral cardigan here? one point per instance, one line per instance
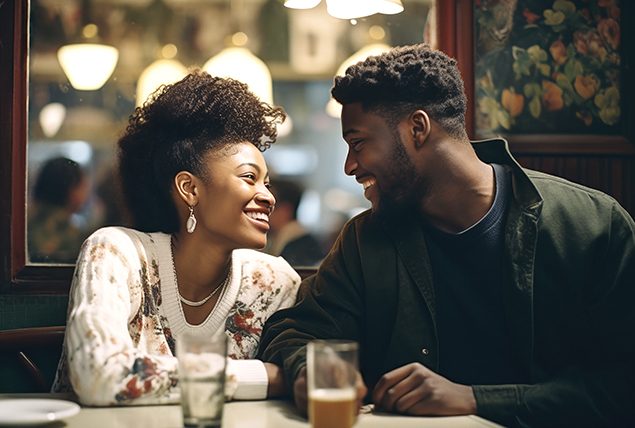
(124, 317)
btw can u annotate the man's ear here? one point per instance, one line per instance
(186, 188)
(420, 127)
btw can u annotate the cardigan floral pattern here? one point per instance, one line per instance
(124, 316)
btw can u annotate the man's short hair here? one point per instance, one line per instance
(404, 79)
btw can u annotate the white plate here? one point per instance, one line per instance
(33, 411)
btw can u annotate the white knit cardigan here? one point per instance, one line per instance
(124, 317)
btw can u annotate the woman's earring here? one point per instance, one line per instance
(190, 225)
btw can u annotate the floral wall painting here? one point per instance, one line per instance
(548, 67)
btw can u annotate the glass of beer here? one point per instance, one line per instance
(202, 361)
(332, 367)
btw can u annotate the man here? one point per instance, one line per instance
(473, 286)
(287, 237)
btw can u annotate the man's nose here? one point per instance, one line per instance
(350, 165)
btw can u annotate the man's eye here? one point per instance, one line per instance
(356, 145)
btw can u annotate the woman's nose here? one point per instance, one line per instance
(267, 197)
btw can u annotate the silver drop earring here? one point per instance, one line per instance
(190, 225)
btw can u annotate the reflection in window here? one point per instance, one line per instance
(301, 48)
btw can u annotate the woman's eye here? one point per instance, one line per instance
(250, 176)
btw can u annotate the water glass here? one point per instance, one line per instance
(202, 361)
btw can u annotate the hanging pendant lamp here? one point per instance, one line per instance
(163, 71)
(351, 9)
(241, 64)
(88, 65)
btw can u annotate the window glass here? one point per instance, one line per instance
(72, 131)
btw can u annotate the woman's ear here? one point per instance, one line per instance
(186, 189)
(420, 126)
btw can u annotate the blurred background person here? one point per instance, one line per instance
(287, 237)
(61, 189)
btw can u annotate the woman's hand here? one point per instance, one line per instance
(277, 385)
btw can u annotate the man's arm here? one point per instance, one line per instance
(329, 306)
(594, 272)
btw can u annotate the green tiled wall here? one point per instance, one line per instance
(22, 311)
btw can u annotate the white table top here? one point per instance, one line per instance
(241, 414)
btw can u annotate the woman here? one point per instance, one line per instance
(196, 186)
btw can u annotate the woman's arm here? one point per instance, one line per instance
(108, 306)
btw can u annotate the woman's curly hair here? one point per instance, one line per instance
(174, 130)
(406, 78)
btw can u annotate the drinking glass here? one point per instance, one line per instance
(332, 367)
(202, 360)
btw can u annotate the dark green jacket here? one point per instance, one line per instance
(569, 298)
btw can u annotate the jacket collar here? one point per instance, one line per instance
(525, 193)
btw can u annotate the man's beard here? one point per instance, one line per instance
(404, 187)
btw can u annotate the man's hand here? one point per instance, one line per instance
(416, 390)
(300, 393)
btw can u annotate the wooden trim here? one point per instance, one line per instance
(465, 56)
(446, 26)
(13, 110)
(6, 128)
(566, 144)
(18, 181)
(17, 276)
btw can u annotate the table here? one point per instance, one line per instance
(240, 414)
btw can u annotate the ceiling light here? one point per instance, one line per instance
(51, 118)
(389, 7)
(87, 65)
(160, 72)
(301, 4)
(240, 64)
(350, 9)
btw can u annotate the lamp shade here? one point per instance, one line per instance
(301, 4)
(333, 108)
(51, 118)
(351, 9)
(389, 7)
(88, 66)
(240, 64)
(160, 72)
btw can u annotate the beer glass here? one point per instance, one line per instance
(202, 360)
(331, 373)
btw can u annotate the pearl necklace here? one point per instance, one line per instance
(200, 302)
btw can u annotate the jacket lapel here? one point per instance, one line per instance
(410, 242)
